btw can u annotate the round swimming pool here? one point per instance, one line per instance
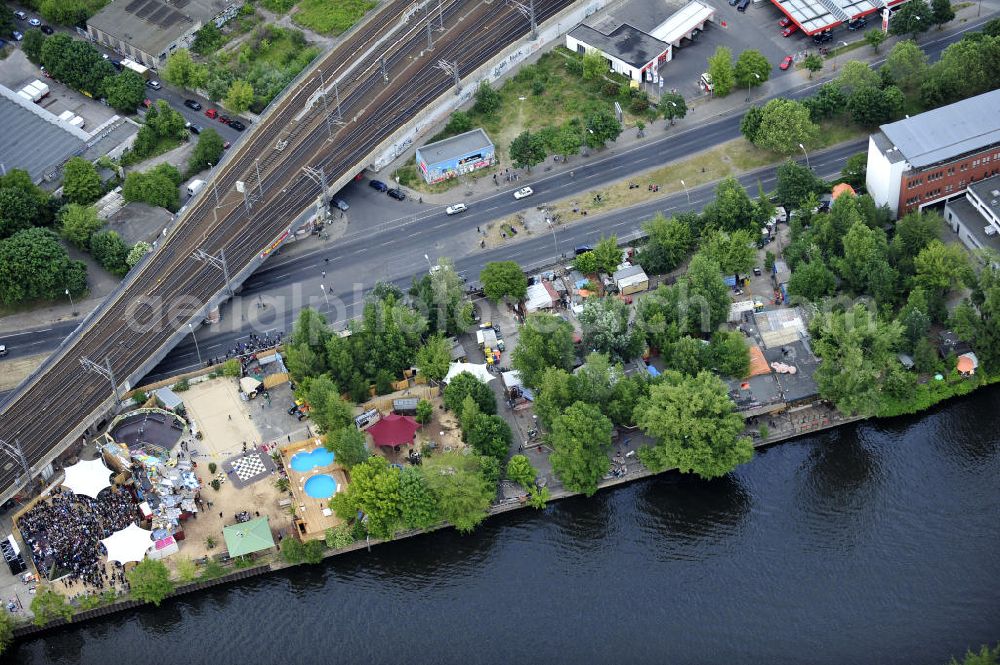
(321, 486)
(316, 457)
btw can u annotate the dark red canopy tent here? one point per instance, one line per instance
(394, 430)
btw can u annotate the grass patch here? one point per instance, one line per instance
(331, 17)
(166, 144)
(931, 392)
(834, 52)
(279, 7)
(838, 130)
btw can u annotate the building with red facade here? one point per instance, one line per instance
(935, 156)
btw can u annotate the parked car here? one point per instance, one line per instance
(396, 193)
(822, 37)
(46, 30)
(224, 119)
(192, 104)
(785, 63)
(378, 185)
(784, 22)
(194, 129)
(237, 125)
(3, 350)
(583, 249)
(733, 3)
(225, 146)
(20, 15)
(154, 84)
(857, 24)
(789, 31)
(524, 192)
(742, 7)
(340, 203)
(117, 64)
(34, 22)
(455, 209)
(211, 113)
(17, 36)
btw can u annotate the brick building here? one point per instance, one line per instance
(935, 156)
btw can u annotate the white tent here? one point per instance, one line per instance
(129, 544)
(87, 477)
(248, 384)
(478, 371)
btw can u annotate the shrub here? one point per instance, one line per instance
(216, 485)
(181, 386)
(212, 468)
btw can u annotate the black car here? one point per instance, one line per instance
(396, 193)
(46, 29)
(237, 125)
(378, 185)
(742, 7)
(857, 24)
(822, 38)
(192, 104)
(583, 249)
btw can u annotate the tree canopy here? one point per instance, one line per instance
(527, 150)
(463, 493)
(78, 224)
(81, 184)
(503, 279)
(581, 443)
(125, 91)
(33, 265)
(348, 445)
(545, 340)
(668, 243)
(207, 151)
(149, 581)
(465, 385)
(720, 68)
(434, 357)
(375, 491)
(752, 69)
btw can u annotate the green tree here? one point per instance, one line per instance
(855, 169)
(434, 357)
(440, 296)
(812, 281)
(18, 211)
(464, 385)
(941, 268)
(567, 140)
(784, 124)
(729, 355)
(292, 550)
(605, 323)
(594, 65)
(914, 231)
(31, 44)
(545, 340)
(488, 100)
(827, 102)
(48, 605)
(328, 410)
(732, 208)
(985, 656)
(419, 505)
(872, 106)
(734, 252)
(796, 182)
(668, 243)
(813, 63)
(504, 279)
(312, 551)
(527, 150)
(109, 249)
(857, 75)
(752, 69)
(208, 39)
(906, 64)
(581, 443)
(915, 318)
(602, 126)
(672, 106)
(158, 187)
(150, 581)
(339, 537)
(33, 265)
(125, 91)
(425, 411)
(207, 152)
(750, 124)
(554, 394)
(720, 68)
(875, 38)
(457, 481)
(607, 254)
(306, 347)
(856, 349)
(348, 446)
(912, 18)
(587, 263)
(687, 355)
(181, 70)
(490, 436)
(520, 471)
(694, 426)
(240, 96)
(865, 265)
(78, 223)
(81, 184)
(375, 491)
(707, 294)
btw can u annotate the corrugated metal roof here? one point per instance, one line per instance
(947, 132)
(29, 142)
(455, 146)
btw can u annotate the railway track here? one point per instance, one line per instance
(132, 326)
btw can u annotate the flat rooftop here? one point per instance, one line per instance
(627, 43)
(974, 223)
(801, 385)
(151, 25)
(31, 142)
(988, 191)
(947, 132)
(646, 15)
(455, 146)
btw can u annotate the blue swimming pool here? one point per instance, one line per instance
(314, 458)
(321, 486)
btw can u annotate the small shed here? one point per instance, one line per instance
(458, 354)
(905, 360)
(168, 399)
(631, 279)
(780, 272)
(405, 406)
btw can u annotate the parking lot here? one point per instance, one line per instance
(17, 71)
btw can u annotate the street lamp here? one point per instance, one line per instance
(325, 296)
(555, 244)
(748, 85)
(671, 117)
(71, 303)
(429, 266)
(806, 154)
(686, 191)
(195, 338)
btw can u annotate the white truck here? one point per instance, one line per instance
(141, 70)
(30, 91)
(42, 88)
(195, 186)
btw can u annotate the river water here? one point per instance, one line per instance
(877, 543)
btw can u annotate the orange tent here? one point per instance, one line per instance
(842, 188)
(758, 363)
(966, 365)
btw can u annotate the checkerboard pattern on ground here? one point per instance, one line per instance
(248, 467)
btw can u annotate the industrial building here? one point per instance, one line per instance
(936, 155)
(148, 31)
(639, 37)
(35, 139)
(976, 216)
(455, 156)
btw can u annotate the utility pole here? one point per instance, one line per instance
(430, 37)
(451, 68)
(440, 17)
(528, 12)
(106, 371)
(318, 176)
(217, 262)
(15, 451)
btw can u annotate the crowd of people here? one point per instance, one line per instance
(63, 534)
(244, 351)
